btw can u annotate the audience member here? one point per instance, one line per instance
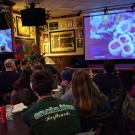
(109, 82)
(128, 111)
(7, 79)
(25, 64)
(21, 90)
(50, 115)
(66, 90)
(88, 99)
(37, 66)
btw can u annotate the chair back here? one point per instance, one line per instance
(97, 122)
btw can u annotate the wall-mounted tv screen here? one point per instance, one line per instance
(110, 36)
(6, 41)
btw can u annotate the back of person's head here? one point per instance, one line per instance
(37, 66)
(10, 64)
(67, 75)
(23, 81)
(23, 62)
(85, 92)
(41, 82)
(109, 66)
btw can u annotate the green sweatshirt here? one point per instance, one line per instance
(52, 116)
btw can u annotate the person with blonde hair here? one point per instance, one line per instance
(10, 65)
(7, 79)
(88, 98)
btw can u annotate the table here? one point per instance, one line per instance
(15, 127)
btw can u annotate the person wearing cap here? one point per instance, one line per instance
(66, 91)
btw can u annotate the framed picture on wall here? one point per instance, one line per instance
(79, 22)
(62, 41)
(53, 26)
(22, 30)
(45, 38)
(80, 43)
(69, 23)
(22, 47)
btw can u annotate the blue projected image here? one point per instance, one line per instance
(6, 40)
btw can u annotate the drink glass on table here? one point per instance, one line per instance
(9, 112)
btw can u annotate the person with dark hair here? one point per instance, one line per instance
(21, 90)
(37, 66)
(50, 115)
(109, 82)
(88, 99)
(109, 66)
(66, 90)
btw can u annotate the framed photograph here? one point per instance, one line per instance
(62, 41)
(80, 43)
(22, 47)
(79, 22)
(22, 30)
(79, 33)
(53, 26)
(44, 28)
(70, 23)
(45, 38)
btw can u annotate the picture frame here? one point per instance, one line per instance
(79, 22)
(22, 47)
(45, 38)
(22, 30)
(79, 33)
(62, 41)
(44, 28)
(53, 25)
(69, 23)
(80, 43)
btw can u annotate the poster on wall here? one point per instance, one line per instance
(62, 41)
(80, 43)
(45, 38)
(79, 22)
(22, 47)
(22, 30)
(53, 26)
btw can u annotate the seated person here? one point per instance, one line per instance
(7, 79)
(50, 116)
(109, 82)
(66, 90)
(21, 90)
(128, 112)
(88, 99)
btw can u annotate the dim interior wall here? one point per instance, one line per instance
(64, 24)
